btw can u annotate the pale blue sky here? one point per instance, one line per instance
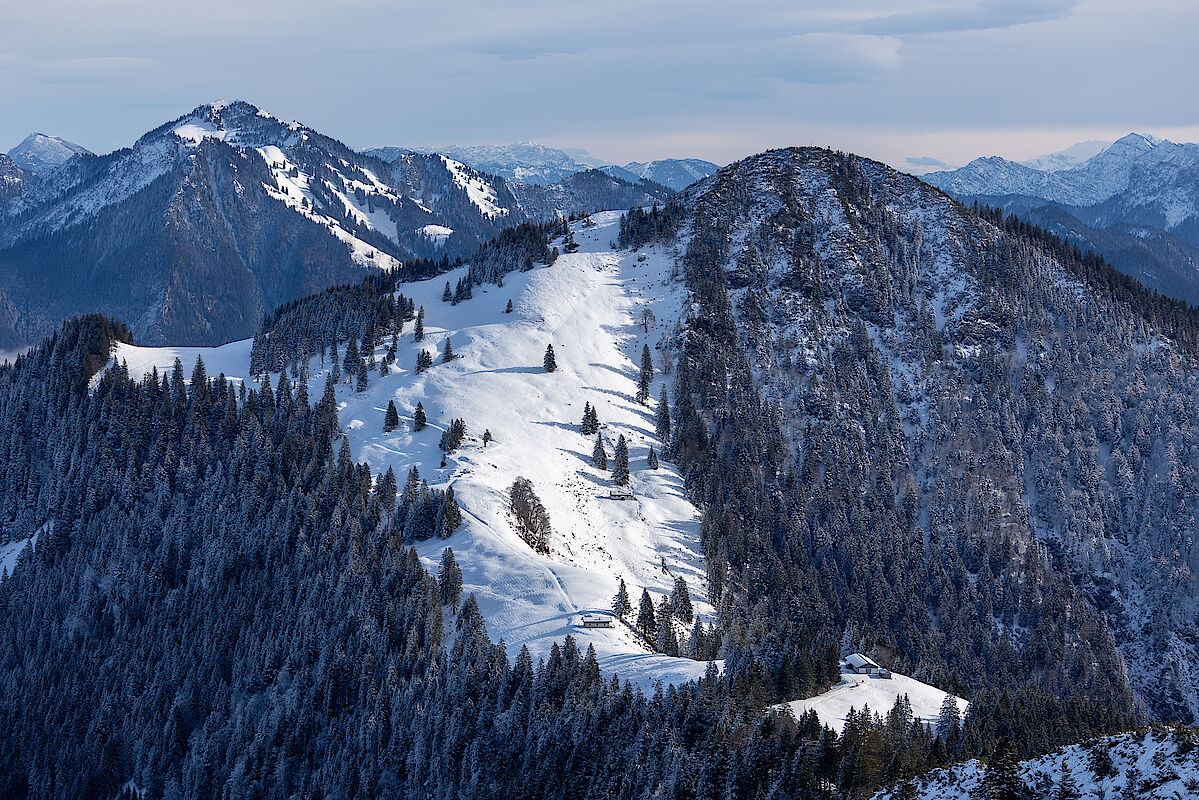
(626, 80)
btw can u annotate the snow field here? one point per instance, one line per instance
(589, 306)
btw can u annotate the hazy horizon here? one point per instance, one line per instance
(911, 83)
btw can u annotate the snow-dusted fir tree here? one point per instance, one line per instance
(599, 455)
(391, 419)
(680, 601)
(590, 420)
(449, 578)
(651, 460)
(620, 466)
(662, 418)
(418, 418)
(647, 618)
(621, 606)
(646, 378)
(418, 335)
(549, 362)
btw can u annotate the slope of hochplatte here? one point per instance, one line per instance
(1159, 763)
(590, 306)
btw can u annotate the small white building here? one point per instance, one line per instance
(596, 621)
(862, 665)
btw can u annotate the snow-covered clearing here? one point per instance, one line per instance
(589, 305)
(859, 691)
(11, 552)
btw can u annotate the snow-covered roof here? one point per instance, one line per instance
(857, 661)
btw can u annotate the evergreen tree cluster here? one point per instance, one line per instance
(639, 227)
(515, 248)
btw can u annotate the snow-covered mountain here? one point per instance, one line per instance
(39, 152)
(212, 219)
(519, 162)
(1158, 764)
(533, 163)
(1070, 157)
(675, 173)
(1140, 180)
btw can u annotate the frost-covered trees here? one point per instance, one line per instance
(621, 606)
(452, 436)
(549, 363)
(651, 460)
(424, 360)
(447, 353)
(391, 419)
(532, 521)
(418, 334)
(599, 455)
(620, 462)
(590, 424)
(449, 578)
(418, 417)
(662, 418)
(647, 617)
(646, 377)
(680, 601)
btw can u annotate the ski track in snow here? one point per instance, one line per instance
(588, 305)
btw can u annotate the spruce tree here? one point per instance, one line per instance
(447, 355)
(418, 334)
(451, 514)
(1067, 787)
(647, 620)
(449, 578)
(647, 375)
(418, 418)
(599, 456)
(680, 601)
(1002, 778)
(424, 360)
(391, 419)
(363, 379)
(446, 296)
(620, 469)
(621, 606)
(651, 460)
(549, 362)
(508, 308)
(590, 420)
(662, 423)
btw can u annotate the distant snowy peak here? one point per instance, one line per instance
(520, 162)
(40, 152)
(1072, 156)
(674, 173)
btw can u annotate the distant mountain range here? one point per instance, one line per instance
(213, 218)
(530, 162)
(1136, 201)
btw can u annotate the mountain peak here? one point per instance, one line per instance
(41, 151)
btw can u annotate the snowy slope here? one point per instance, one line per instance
(860, 691)
(587, 305)
(1161, 763)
